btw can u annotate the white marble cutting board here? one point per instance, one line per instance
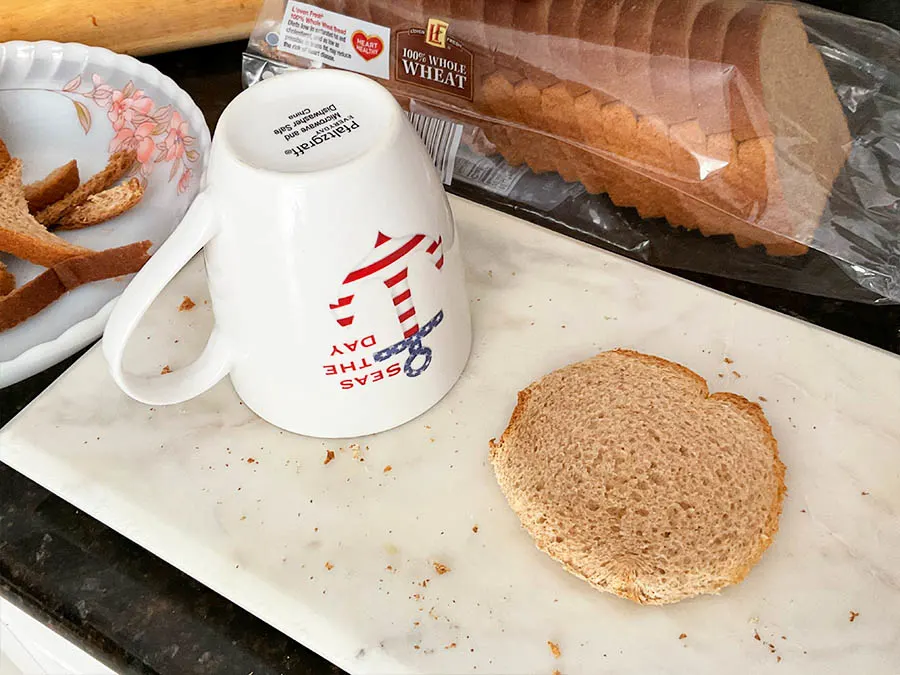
(340, 556)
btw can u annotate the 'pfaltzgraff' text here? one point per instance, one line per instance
(348, 125)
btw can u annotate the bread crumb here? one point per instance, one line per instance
(756, 636)
(252, 460)
(721, 375)
(452, 645)
(735, 373)
(389, 568)
(682, 636)
(243, 517)
(328, 566)
(556, 672)
(777, 659)
(416, 647)
(329, 455)
(853, 616)
(388, 468)
(165, 370)
(440, 568)
(475, 529)
(763, 399)
(187, 304)
(554, 649)
(864, 493)
(728, 361)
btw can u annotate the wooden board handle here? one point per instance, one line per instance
(130, 26)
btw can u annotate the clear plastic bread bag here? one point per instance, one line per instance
(753, 140)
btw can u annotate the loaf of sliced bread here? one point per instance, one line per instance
(626, 470)
(718, 115)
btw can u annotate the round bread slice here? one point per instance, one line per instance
(626, 470)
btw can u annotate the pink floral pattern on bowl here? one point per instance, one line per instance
(158, 134)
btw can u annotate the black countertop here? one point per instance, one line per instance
(140, 615)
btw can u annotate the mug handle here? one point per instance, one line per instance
(195, 230)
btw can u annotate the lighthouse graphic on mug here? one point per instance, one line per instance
(388, 264)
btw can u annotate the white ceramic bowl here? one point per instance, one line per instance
(69, 101)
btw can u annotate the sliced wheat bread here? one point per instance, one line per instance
(532, 19)
(22, 235)
(104, 205)
(563, 23)
(116, 167)
(472, 15)
(708, 75)
(633, 35)
(811, 139)
(46, 288)
(670, 72)
(595, 28)
(7, 280)
(626, 470)
(53, 187)
(498, 26)
(744, 196)
(4, 155)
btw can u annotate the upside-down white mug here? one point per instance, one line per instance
(332, 260)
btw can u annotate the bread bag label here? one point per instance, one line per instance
(428, 57)
(335, 40)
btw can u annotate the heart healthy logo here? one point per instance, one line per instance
(367, 46)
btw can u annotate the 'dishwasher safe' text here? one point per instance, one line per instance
(325, 124)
